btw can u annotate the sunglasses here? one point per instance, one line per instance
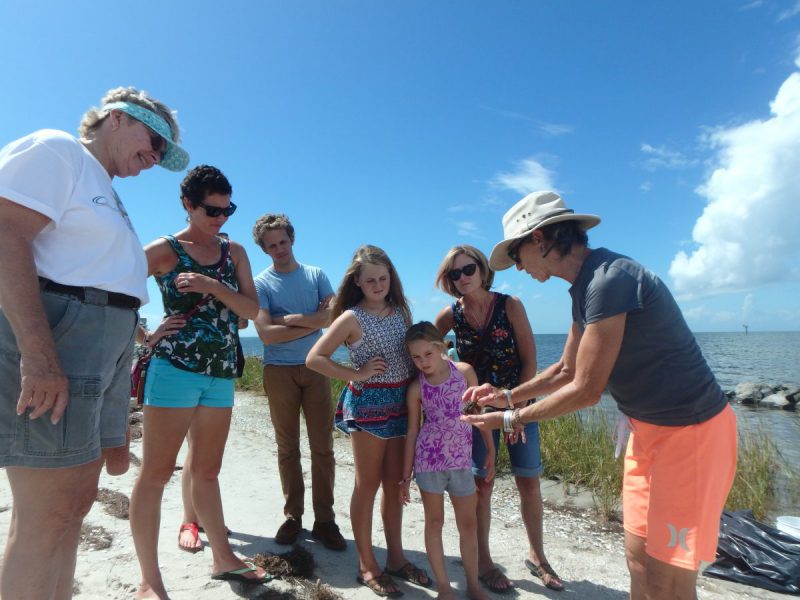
(158, 144)
(455, 274)
(215, 211)
(513, 249)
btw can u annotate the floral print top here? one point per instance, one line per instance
(207, 343)
(444, 442)
(495, 358)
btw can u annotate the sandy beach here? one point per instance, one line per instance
(587, 555)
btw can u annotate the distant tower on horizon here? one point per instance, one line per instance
(746, 327)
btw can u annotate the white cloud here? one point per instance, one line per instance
(556, 129)
(646, 186)
(529, 176)
(659, 157)
(747, 234)
(790, 12)
(468, 229)
(748, 307)
(751, 5)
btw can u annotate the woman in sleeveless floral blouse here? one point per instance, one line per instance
(370, 316)
(494, 336)
(206, 285)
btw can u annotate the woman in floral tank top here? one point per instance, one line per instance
(494, 336)
(206, 284)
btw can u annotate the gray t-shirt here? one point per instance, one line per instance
(660, 376)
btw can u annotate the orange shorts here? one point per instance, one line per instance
(675, 486)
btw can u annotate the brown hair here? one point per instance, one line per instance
(350, 294)
(444, 283)
(425, 331)
(272, 221)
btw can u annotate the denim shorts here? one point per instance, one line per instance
(526, 460)
(168, 386)
(95, 347)
(456, 482)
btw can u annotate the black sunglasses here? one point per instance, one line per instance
(455, 274)
(215, 211)
(514, 248)
(158, 144)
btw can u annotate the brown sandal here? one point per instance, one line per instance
(492, 580)
(412, 574)
(546, 573)
(382, 585)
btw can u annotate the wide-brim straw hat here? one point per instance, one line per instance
(533, 212)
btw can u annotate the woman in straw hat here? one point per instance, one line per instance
(628, 335)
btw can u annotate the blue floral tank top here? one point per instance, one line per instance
(207, 343)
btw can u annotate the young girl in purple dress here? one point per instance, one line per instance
(440, 453)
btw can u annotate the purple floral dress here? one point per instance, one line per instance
(444, 442)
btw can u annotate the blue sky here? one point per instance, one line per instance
(415, 125)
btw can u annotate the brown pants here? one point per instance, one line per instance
(289, 389)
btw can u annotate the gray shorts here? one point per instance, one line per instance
(95, 347)
(457, 482)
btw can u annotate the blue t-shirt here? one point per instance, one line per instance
(660, 375)
(299, 291)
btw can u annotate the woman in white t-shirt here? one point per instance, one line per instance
(72, 277)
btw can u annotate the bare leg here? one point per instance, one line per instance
(530, 504)
(368, 453)
(434, 521)
(186, 538)
(164, 431)
(652, 579)
(209, 433)
(391, 507)
(48, 510)
(466, 521)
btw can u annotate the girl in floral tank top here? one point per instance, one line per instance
(370, 317)
(440, 452)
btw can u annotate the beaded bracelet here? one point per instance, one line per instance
(516, 418)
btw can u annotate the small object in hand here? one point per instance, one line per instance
(471, 408)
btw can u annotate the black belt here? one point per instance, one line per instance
(90, 295)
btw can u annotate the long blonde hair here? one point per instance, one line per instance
(350, 294)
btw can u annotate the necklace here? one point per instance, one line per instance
(476, 313)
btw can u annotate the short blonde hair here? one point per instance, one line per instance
(95, 116)
(444, 283)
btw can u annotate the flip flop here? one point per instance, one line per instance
(412, 574)
(193, 529)
(546, 573)
(491, 579)
(380, 584)
(240, 575)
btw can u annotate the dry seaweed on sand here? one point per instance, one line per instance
(297, 567)
(114, 503)
(94, 537)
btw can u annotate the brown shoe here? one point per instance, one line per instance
(328, 533)
(288, 532)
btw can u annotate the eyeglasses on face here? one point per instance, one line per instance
(215, 211)
(455, 274)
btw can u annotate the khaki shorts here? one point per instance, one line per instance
(95, 346)
(676, 483)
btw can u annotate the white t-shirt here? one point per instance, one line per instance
(90, 241)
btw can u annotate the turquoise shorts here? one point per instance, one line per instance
(167, 386)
